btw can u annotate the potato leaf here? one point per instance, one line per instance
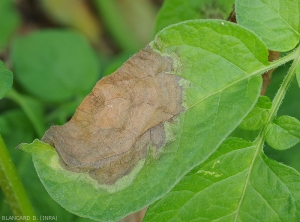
(62, 64)
(218, 88)
(236, 183)
(258, 115)
(283, 133)
(274, 21)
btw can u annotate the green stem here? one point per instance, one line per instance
(277, 101)
(284, 87)
(259, 142)
(12, 186)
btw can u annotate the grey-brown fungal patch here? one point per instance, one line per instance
(115, 124)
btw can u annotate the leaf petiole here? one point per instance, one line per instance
(292, 56)
(277, 101)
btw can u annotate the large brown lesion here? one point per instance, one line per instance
(115, 124)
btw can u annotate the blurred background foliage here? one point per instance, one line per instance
(58, 49)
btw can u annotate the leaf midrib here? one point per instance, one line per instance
(257, 151)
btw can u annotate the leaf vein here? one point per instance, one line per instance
(264, 200)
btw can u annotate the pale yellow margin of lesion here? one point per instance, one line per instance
(120, 184)
(177, 68)
(170, 128)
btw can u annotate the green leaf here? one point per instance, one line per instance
(276, 22)
(55, 65)
(9, 21)
(283, 133)
(174, 11)
(220, 88)
(6, 80)
(235, 184)
(258, 116)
